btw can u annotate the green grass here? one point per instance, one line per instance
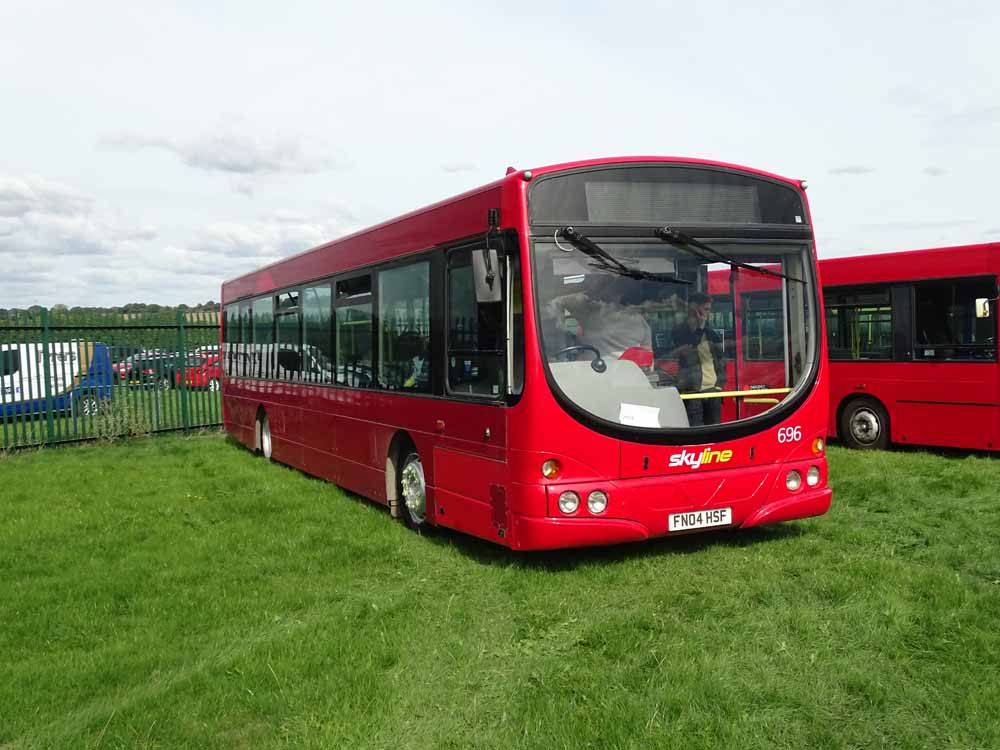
(179, 593)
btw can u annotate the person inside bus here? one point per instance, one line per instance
(412, 352)
(609, 313)
(701, 361)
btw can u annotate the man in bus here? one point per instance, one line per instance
(608, 316)
(701, 361)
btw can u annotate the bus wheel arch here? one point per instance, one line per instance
(863, 423)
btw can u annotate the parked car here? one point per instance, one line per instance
(201, 372)
(153, 368)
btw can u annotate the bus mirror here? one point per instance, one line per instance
(486, 270)
(982, 307)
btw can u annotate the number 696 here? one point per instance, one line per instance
(790, 434)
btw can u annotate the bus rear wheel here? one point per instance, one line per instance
(864, 425)
(413, 491)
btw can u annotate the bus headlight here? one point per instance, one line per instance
(793, 480)
(812, 476)
(569, 501)
(597, 501)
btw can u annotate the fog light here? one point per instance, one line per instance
(812, 476)
(818, 445)
(569, 501)
(793, 480)
(551, 469)
(597, 501)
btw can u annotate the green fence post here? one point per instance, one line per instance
(182, 354)
(47, 375)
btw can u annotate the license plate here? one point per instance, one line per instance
(700, 519)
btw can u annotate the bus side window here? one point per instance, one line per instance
(317, 343)
(262, 363)
(475, 333)
(404, 318)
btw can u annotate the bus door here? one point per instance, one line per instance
(470, 454)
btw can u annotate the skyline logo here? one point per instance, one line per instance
(696, 459)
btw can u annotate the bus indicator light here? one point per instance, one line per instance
(551, 469)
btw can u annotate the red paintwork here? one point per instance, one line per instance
(199, 376)
(971, 419)
(492, 487)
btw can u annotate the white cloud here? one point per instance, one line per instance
(38, 216)
(230, 153)
(852, 169)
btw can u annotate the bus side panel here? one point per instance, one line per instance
(463, 497)
(947, 404)
(948, 425)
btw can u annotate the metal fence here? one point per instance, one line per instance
(66, 376)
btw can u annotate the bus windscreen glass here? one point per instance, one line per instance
(650, 350)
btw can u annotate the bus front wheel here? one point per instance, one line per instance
(413, 491)
(864, 425)
(264, 436)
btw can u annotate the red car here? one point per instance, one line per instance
(202, 372)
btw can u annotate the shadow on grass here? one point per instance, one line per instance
(932, 450)
(487, 553)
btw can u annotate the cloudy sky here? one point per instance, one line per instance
(150, 150)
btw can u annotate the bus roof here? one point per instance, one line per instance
(906, 265)
(464, 214)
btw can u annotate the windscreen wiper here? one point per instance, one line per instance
(686, 242)
(607, 262)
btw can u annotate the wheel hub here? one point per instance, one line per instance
(865, 427)
(414, 490)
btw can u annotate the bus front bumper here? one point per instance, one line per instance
(646, 517)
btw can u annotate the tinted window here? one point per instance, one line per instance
(262, 362)
(356, 287)
(263, 321)
(663, 195)
(354, 345)
(317, 344)
(763, 326)
(288, 356)
(475, 331)
(231, 330)
(859, 324)
(10, 362)
(404, 298)
(286, 300)
(946, 324)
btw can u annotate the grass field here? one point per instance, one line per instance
(179, 593)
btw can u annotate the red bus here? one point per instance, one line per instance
(528, 362)
(912, 340)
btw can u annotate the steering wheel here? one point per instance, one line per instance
(597, 364)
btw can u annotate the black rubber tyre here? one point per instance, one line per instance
(864, 424)
(264, 444)
(412, 490)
